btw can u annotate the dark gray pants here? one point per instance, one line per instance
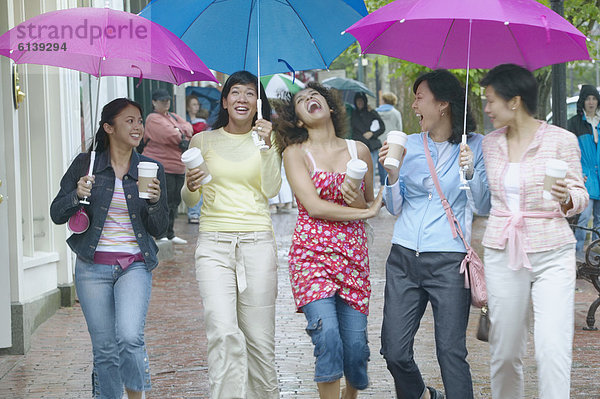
(411, 282)
(174, 183)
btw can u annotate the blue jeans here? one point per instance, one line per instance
(411, 282)
(339, 334)
(194, 211)
(114, 303)
(380, 169)
(584, 218)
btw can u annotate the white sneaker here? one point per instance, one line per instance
(177, 240)
(164, 239)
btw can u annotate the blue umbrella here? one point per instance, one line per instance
(209, 98)
(294, 34)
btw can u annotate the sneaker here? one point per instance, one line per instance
(194, 220)
(164, 239)
(435, 394)
(177, 240)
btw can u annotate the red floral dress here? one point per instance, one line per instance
(328, 257)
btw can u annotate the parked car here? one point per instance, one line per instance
(571, 109)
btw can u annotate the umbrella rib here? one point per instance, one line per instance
(309, 34)
(437, 62)
(518, 47)
(382, 33)
(194, 21)
(248, 34)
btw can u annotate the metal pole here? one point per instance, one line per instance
(360, 74)
(377, 82)
(559, 81)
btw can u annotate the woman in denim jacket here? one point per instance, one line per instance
(116, 254)
(424, 262)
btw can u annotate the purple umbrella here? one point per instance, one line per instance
(103, 42)
(470, 34)
(436, 33)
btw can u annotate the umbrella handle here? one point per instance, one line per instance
(258, 141)
(90, 171)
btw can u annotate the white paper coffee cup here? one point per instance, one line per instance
(555, 170)
(146, 173)
(192, 158)
(396, 142)
(355, 170)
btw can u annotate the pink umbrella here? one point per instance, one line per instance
(103, 42)
(444, 33)
(470, 34)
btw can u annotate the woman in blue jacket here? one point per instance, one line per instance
(116, 254)
(424, 262)
(586, 126)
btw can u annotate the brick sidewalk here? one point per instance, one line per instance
(59, 362)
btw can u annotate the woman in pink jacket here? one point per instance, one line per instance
(529, 247)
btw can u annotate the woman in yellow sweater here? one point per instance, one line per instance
(236, 255)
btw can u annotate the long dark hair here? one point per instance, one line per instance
(446, 87)
(286, 126)
(244, 78)
(109, 112)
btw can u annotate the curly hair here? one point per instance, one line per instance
(286, 126)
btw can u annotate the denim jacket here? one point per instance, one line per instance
(422, 224)
(147, 219)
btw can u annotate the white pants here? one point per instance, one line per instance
(237, 274)
(551, 286)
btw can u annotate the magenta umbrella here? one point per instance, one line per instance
(445, 33)
(103, 42)
(457, 34)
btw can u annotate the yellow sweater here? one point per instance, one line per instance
(243, 180)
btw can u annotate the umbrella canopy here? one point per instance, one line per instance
(103, 42)
(346, 84)
(278, 84)
(209, 99)
(442, 33)
(298, 34)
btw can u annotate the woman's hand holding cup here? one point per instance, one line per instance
(560, 191)
(194, 178)
(392, 171)
(84, 187)
(153, 190)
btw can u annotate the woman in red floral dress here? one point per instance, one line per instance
(328, 259)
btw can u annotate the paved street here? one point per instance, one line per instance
(59, 362)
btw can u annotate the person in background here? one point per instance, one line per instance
(116, 254)
(529, 248)
(392, 119)
(586, 126)
(236, 254)
(366, 126)
(328, 258)
(424, 265)
(195, 115)
(166, 133)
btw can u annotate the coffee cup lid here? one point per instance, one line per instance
(556, 167)
(356, 168)
(147, 165)
(190, 154)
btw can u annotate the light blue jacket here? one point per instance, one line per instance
(422, 224)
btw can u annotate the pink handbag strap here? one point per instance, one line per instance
(454, 224)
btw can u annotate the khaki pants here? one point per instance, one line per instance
(550, 285)
(237, 275)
